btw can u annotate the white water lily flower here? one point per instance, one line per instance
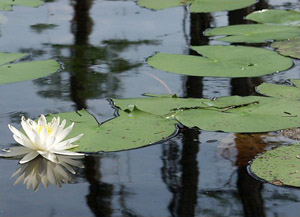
(42, 138)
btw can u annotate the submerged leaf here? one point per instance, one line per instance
(290, 17)
(197, 6)
(22, 71)
(6, 5)
(254, 33)
(280, 166)
(132, 129)
(289, 47)
(280, 91)
(222, 61)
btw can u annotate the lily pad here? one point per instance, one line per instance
(22, 71)
(227, 114)
(280, 91)
(280, 166)
(296, 82)
(198, 6)
(290, 17)
(41, 27)
(132, 129)
(254, 33)
(289, 47)
(165, 106)
(269, 114)
(6, 5)
(222, 61)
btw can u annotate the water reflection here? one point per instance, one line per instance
(99, 198)
(46, 172)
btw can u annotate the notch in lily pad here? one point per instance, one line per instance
(6, 5)
(222, 61)
(22, 71)
(280, 166)
(197, 6)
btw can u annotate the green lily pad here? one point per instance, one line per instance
(289, 47)
(254, 33)
(132, 129)
(280, 91)
(197, 6)
(10, 73)
(6, 5)
(290, 17)
(222, 61)
(164, 106)
(296, 82)
(280, 166)
(228, 114)
(269, 114)
(41, 27)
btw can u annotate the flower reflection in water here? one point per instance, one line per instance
(41, 170)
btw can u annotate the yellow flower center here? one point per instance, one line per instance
(48, 128)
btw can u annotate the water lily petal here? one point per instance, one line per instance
(64, 133)
(28, 129)
(68, 153)
(67, 144)
(43, 136)
(25, 141)
(28, 157)
(49, 156)
(50, 141)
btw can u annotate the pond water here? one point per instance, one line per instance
(103, 46)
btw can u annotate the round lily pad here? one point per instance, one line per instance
(132, 129)
(197, 6)
(280, 166)
(268, 114)
(222, 61)
(6, 5)
(272, 16)
(254, 33)
(22, 71)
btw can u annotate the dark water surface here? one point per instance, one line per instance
(103, 46)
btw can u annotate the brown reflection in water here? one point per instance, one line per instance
(248, 146)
